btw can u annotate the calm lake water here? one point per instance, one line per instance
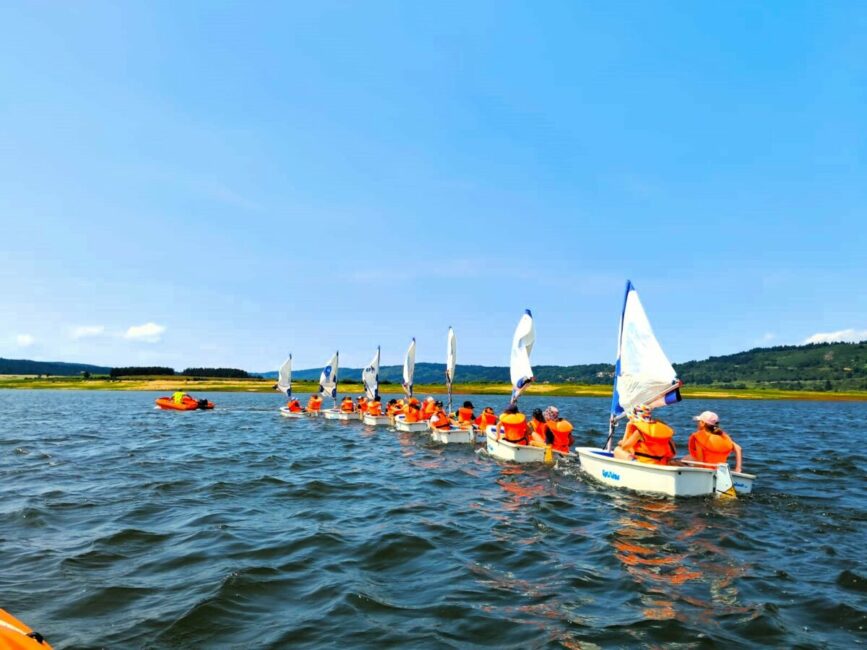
(124, 526)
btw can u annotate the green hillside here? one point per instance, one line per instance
(28, 367)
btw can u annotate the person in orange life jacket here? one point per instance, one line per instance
(465, 415)
(440, 419)
(486, 418)
(346, 405)
(391, 407)
(361, 404)
(412, 413)
(537, 428)
(374, 407)
(512, 426)
(710, 444)
(646, 440)
(294, 405)
(428, 408)
(558, 431)
(314, 404)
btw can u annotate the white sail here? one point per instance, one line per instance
(451, 362)
(409, 368)
(643, 374)
(328, 378)
(284, 377)
(370, 377)
(522, 346)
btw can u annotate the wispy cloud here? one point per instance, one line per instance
(84, 331)
(147, 333)
(848, 335)
(25, 340)
(768, 337)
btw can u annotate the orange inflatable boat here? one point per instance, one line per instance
(14, 635)
(186, 404)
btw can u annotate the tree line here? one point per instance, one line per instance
(162, 371)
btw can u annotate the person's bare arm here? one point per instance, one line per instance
(738, 457)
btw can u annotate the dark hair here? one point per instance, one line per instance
(511, 409)
(537, 415)
(438, 403)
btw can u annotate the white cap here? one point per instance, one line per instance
(708, 417)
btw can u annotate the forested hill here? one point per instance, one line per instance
(823, 366)
(28, 367)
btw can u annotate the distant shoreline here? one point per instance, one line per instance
(257, 385)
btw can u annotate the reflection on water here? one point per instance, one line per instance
(125, 526)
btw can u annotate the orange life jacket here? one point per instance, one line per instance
(314, 403)
(362, 405)
(710, 447)
(562, 431)
(439, 420)
(392, 409)
(655, 444)
(14, 635)
(486, 419)
(347, 406)
(514, 427)
(294, 406)
(427, 410)
(465, 415)
(412, 414)
(374, 407)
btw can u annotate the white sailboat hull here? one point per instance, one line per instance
(286, 413)
(334, 414)
(401, 424)
(313, 414)
(376, 420)
(668, 480)
(453, 436)
(508, 451)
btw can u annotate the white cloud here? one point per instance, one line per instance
(768, 337)
(850, 335)
(84, 331)
(25, 340)
(148, 333)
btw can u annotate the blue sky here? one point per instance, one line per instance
(235, 181)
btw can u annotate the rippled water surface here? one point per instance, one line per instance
(124, 526)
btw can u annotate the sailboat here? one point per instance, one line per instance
(284, 385)
(644, 375)
(455, 434)
(328, 388)
(370, 379)
(521, 374)
(408, 371)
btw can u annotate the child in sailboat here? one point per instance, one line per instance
(512, 426)
(710, 444)
(646, 439)
(439, 419)
(294, 405)
(552, 430)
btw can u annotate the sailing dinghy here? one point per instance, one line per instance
(400, 422)
(328, 388)
(284, 385)
(455, 434)
(370, 379)
(521, 373)
(644, 375)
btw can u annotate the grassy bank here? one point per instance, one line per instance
(255, 385)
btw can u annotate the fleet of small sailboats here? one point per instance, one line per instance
(643, 376)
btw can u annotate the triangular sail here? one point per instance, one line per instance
(642, 373)
(409, 369)
(370, 377)
(451, 361)
(284, 377)
(522, 346)
(328, 378)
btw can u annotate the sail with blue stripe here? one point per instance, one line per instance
(520, 370)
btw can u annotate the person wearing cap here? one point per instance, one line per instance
(294, 405)
(646, 439)
(428, 408)
(440, 419)
(710, 444)
(466, 415)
